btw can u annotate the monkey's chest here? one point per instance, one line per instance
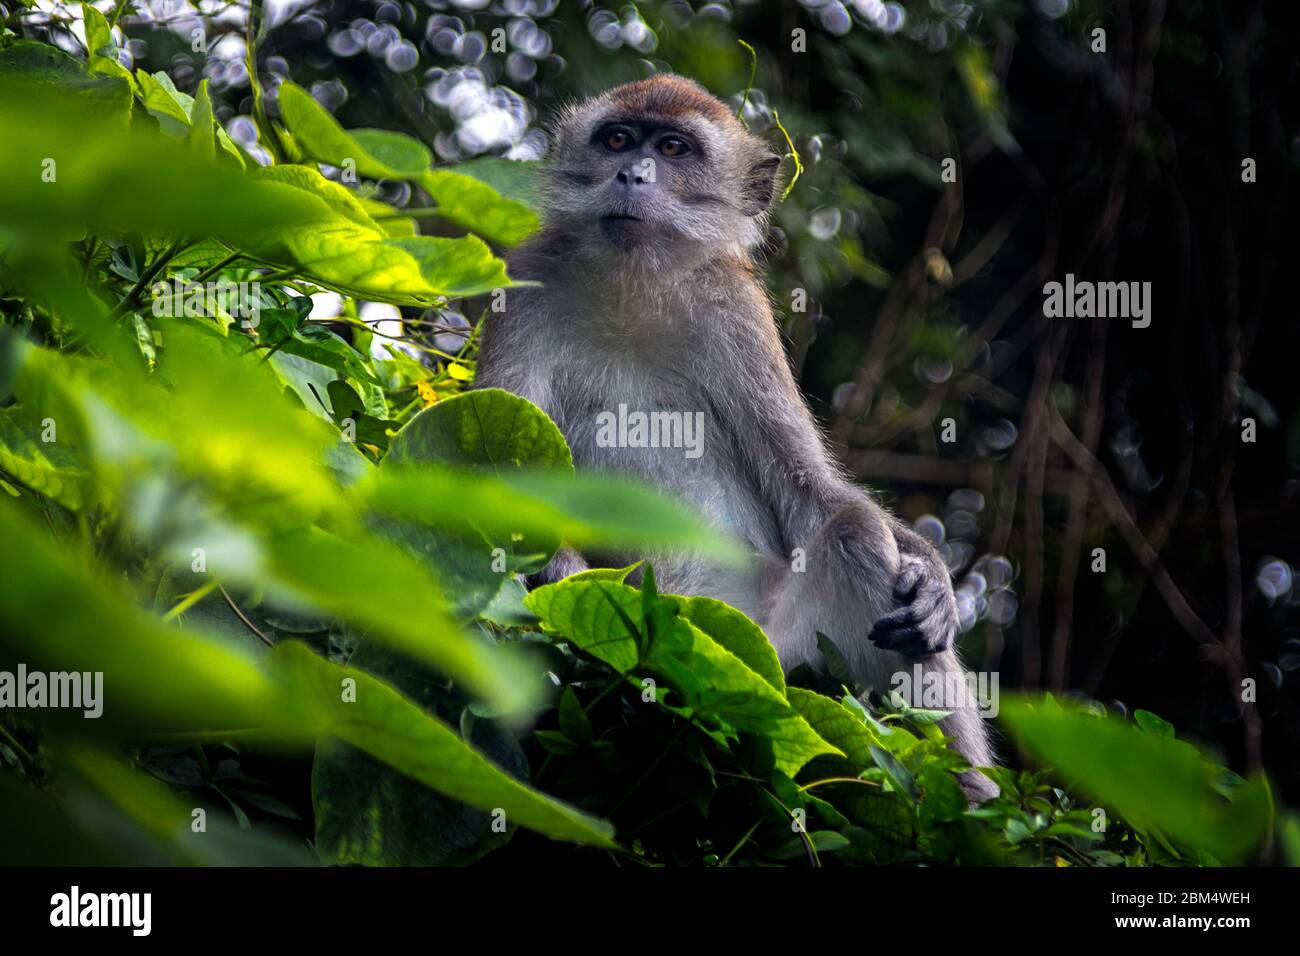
(664, 430)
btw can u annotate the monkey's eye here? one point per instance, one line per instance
(618, 140)
(672, 147)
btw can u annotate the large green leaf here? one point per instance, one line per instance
(370, 814)
(837, 726)
(201, 137)
(381, 154)
(397, 152)
(44, 70)
(466, 200)
(454, 267)
(737, 633)
(585, 510)
(1156, 782)
(718, 684)
(321, 137)
(165, 681)
(386, 725)
(79, 167)
(160, 681)
(376, 585)
(487, 428)
(607, 620)
(590, 614)
(519, 180)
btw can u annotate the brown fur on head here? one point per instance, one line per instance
(659, 166)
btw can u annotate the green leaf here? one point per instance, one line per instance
(836, 726)
(519, 180)
(455, 267)
(79, 166)
(902, 778)
(824, 841)
(586, 613)
(488, 428)
(528, 511)
(471, 203)
(836, 666)
(339, 199)
(172, 109)
(392, 729)
(381, 154)
(56, 602)
(461, 525)
(615, 575)
(574, 723)
(1153, 724)
(201, 138)
(100, 46)
(606, 619)
(319, 135)
(370, 814)
(53, 469)
(1156, 783)
(165, 103)
(41, 69)
(737, 633)
(377, 585)
(397, 152)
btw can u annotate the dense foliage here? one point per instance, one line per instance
(294, 552)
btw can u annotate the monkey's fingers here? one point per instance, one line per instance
(909, 579)
(909, 630)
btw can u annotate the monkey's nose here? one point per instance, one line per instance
(634, 177)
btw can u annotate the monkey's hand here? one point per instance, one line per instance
(924, 621)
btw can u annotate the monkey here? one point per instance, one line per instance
(646, 295)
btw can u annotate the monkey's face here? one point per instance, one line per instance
(643, 172)
(659, 166)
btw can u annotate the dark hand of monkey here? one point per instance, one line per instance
(925, 621)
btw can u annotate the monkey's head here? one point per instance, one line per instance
(658, 165)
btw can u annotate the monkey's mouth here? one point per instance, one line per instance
(626, 230)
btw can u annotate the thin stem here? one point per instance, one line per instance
(753, 72)
(828, 780)
(134, 297)
(743, 840)
(209, 272)
(247, 623)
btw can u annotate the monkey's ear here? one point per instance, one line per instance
(760, 185)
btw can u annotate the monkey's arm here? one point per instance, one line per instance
(890, 573)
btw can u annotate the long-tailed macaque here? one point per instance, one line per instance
(650, 301)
